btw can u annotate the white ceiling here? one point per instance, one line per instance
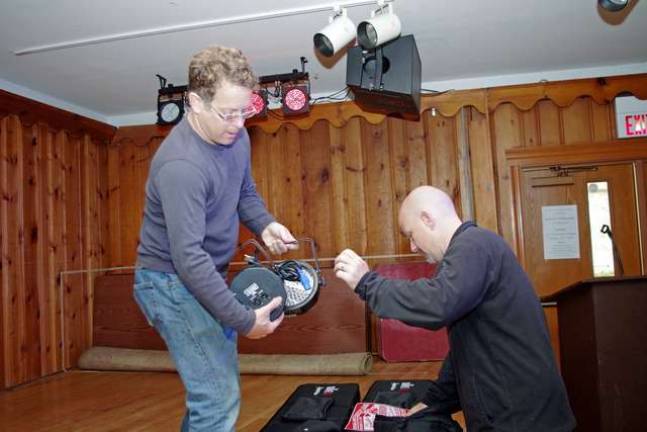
(462, 44)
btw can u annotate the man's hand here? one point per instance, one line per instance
(263, 326)
(417, 407)
(350, 267)
(278, 238)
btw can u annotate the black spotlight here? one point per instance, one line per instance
(295, 281)
(613, 5)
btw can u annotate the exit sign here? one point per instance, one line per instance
(631, 117)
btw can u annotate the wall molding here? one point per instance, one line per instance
(31, 112)
(611, 151)
(524, 97)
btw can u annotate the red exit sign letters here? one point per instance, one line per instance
(636, 124)
(631, 117)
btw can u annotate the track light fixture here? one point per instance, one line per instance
(382, 27)
(201, 24)
(339, 32)
(613, 5)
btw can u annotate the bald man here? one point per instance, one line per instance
(500, 369)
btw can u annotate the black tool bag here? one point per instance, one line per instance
(403, 394)
(315, 408)
(422, 421)
(406, 394)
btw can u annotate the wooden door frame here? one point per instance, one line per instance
(629, 151)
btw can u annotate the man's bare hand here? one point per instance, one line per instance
(278, 238)
(350, 267)
(263, 326)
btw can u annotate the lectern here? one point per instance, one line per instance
(603, 342)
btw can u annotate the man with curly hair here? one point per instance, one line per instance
(199, 188)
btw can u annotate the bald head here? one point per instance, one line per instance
(428, 217)
(429, 199)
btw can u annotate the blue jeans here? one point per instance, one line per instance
(204, 351)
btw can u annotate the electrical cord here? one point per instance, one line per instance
(288, 270)
(293, 271)
(336, 96)
(434, 92)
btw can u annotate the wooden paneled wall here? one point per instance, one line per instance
(339, 185)
(52, 220)
(339, 175)
(129, 157)
(343, 185)
(72, 198)
(584, 121)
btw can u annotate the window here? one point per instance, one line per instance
(599, 216)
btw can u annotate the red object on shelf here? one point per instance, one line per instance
(400, 342)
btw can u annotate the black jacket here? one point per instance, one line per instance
(501, 369)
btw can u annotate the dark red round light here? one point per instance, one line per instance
(295, 99)
(258, 103)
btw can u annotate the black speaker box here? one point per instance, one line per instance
(386, 79)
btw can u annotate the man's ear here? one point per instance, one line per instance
(195, 102)
(427, 219)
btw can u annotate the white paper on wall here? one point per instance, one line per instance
(560, 232)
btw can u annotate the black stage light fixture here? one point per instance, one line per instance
(295, 99)
(293, 88)
(613, 5)
(259, 103)
(295, 281)
(170, 102)
(386, 79)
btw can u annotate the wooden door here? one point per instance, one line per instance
(540, 188)
(543, 188)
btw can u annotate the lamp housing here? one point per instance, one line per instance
(382, 27)
(259, 102)
(337, 34)
(295, 99)
(613, 5)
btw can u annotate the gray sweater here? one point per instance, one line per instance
(196, 194)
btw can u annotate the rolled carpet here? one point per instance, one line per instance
(108, 358)
(306, 364)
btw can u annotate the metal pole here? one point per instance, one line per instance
(190, 26)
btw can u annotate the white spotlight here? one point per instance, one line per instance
(382, 27)
(613, 5)
(337, 34)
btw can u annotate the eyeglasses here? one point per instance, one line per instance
(232, 115)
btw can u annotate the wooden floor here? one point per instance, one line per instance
(83, 401)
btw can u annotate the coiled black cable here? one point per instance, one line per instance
(288, 270)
